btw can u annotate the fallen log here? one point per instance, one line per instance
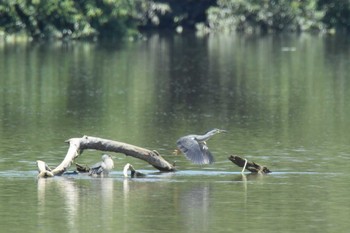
(83, 168)
(78, 145)
(250, 166)
(43, 169)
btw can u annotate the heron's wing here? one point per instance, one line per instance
(96, 165)
(97, 168)
(208, 157)
(193, 150)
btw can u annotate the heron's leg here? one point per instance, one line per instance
(245, 164)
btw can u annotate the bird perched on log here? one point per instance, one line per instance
(195, 148)
(134, 173)
(102, 168)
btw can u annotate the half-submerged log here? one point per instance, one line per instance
(83, 168)
(78, 145)
(250, 166)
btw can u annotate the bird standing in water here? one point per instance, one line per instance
(102, 168)
(195, 148)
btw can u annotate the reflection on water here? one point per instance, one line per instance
(70, 195)
(73, 196)
(194, 207)
(164, 88)
(179, 203)
(284, 108)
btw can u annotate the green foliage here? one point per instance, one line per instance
(336, 13)
(173, 13)
(69, 18)
(110, 17)
(264, 15)
(117, 18)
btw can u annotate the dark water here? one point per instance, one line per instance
(284, 100)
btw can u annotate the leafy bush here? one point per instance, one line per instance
(264, 15)
(336, 13)
(116, 18)
(69, 18)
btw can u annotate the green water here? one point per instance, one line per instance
(283, 99)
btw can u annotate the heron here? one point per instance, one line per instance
(102, 168)
(194, 147)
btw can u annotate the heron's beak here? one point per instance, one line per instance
(222, 131)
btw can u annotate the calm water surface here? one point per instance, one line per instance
(284, 100)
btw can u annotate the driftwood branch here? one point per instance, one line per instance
(250, 166)
(78, 145)
(83, 168)
(43, 169)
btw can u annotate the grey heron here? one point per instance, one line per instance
(195, 148)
